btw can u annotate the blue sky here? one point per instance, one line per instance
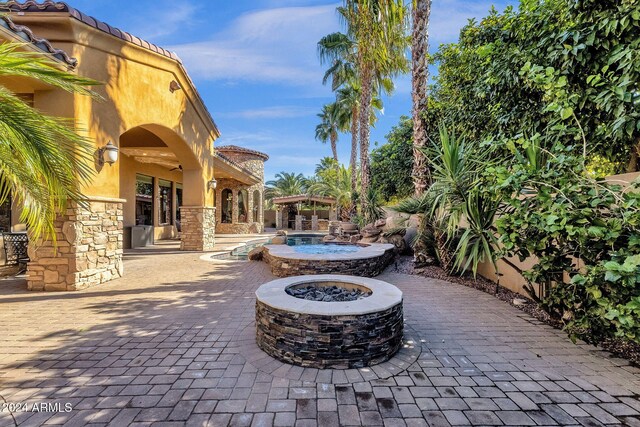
(255, 65)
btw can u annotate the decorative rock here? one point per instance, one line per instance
(381, 223)
(281, 233)
(371, 232)
(279, 240)
(355, 239)
(519, 301)
(329, 238)
(398, 241)
(255, 254)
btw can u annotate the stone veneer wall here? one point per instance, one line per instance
(367, 267)
(253, 225)
(198, 228)
(339, 342)
(88, 250)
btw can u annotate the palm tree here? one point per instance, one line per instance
(327, 129)
(336, 183)
(43, 161)
(378, 28)
(286, 184)
(420, 75)
(340, 52)
(348, 101)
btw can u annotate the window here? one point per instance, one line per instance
(178, 200)
(144, 200)
(256, 206)
(243, 199)
(165, 207)
(227, 206)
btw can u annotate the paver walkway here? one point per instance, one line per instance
(172, 344)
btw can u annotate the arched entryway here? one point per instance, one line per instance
(165, 185)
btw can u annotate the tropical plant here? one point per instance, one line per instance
(421, 11)
(458, 215)
(336, 183)
(339, 51)
(286, 184)
(327, 129)
(537, 69)
(585, 235)
(43, 161)
(392, 162)
(378, 29)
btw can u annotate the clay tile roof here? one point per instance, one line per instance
(236, 149)
(58, 6)
(27, 34)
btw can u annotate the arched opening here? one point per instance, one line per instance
(257, 206)
(164, 182)
(243, 200)
(227, 206)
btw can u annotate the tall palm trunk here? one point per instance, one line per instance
(420, 74)
(365, 116)
(334, 146)
(354, 148)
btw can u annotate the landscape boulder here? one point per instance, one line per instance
(279, 240)
(256, 254)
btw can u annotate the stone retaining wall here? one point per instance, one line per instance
(339, 342)
(367, 267)
(88, 248)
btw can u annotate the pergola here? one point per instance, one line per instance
(300, 220)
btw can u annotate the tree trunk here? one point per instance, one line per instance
(334, 147)
(365, 114)
(420, 74)
(354, 149)
(632, 166)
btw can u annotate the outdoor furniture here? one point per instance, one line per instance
(348, 229)
(15, 248)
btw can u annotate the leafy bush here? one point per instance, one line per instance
(585, 235)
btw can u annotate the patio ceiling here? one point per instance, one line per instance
(163, 156)
(303, 198)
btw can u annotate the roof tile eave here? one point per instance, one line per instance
(59, 6)
(45, 45)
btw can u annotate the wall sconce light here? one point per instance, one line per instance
(213, 184)
(108, 154)
(174, 86)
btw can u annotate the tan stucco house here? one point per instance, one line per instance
(168, 175)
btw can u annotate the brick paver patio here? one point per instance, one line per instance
(172, 344)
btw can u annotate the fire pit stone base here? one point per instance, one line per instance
(339, 335)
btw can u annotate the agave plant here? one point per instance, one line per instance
(457, 217)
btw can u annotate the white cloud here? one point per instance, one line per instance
(273, 45)
(275, 112)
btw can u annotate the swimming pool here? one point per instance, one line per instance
(326, 249)
(242, 253)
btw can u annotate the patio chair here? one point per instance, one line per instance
(15, 249)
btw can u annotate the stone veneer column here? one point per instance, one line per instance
(279, 218)
(314, 222)
(88, 248)
(198, 228)
(299, 219)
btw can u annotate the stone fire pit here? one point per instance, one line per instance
(322, 334)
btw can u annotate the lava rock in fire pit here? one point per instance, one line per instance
(327, 293)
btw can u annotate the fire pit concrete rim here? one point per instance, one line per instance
(364, 252)
(383, 297)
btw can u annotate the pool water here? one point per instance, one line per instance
(242, 253)
(326, 249)
(304, 240)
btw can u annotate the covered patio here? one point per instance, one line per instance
(288, 209)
